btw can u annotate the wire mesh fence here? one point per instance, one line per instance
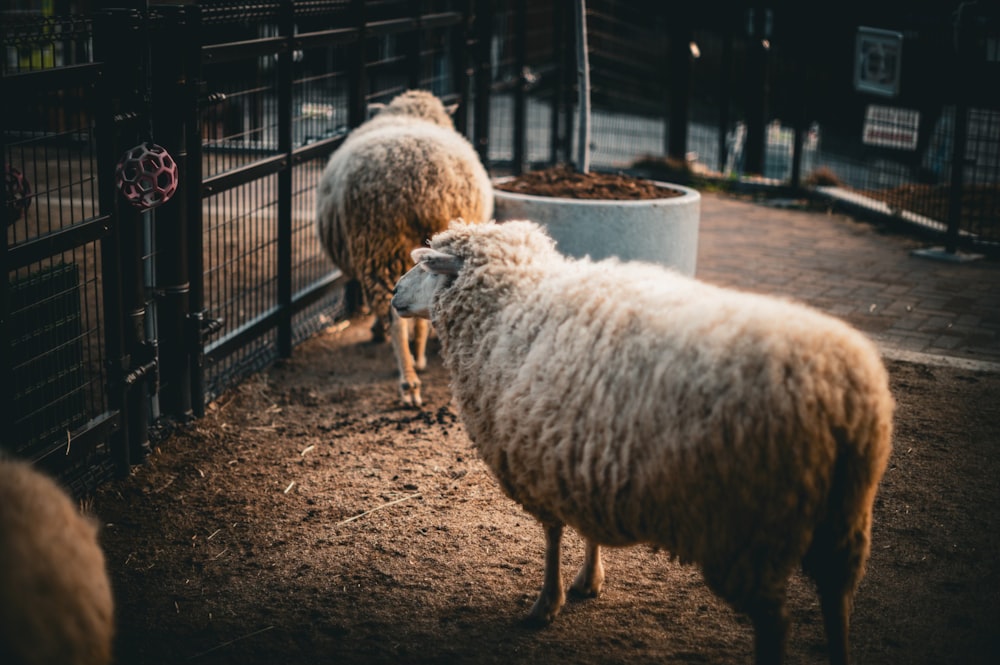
(54, 351)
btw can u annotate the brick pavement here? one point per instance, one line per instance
(914, 308)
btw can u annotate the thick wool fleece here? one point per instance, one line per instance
(55, 598)
(640, 406)
(397, 179)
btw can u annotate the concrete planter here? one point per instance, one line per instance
(661, 231)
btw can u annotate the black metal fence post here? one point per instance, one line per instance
(285, 74)
(414, 44)
(172, 280)
(957, 183)
(111, 277)
(521, 91)
(461, 70)
(119, 43)
(679, 86)
(757, 88)
(6, 353)
(569, 78)
(559, 50)
(484, 79)
(357, 111)
(725, 95)
(190, 188)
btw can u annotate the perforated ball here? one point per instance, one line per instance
(18, 193)
(147, 175)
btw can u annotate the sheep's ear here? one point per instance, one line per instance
(374, 108)
(451, 108)
(436, 262)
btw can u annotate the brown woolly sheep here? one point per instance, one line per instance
(56, 606)
(742, 433)
(398, 179)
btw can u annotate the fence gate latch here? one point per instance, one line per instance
(146, 365)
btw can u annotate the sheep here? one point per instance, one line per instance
(739, 432)
(397, 179)
(55, 599)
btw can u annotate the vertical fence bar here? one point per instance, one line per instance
(461, 71)
(111, 277)
(357, 104)
(569, 80)
(357, 112)
(119, 44)
(172, 287)
(725, 95)
(679, 86)
(521, 91)
(756, 89)
(559, 47)
(582, 87)
(6, 353)
(957, 183)
(286, 72)
(191, 180)
(484, 79)
(414, 42)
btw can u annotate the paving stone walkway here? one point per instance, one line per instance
(912, 307)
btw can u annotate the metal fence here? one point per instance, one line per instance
(737, 95)
(115, 321)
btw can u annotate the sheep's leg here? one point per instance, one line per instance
(409, 384)
(770, 625)
(590, 579)
(836, 561)
(836, 569)
(552, 596)
(421, 330)
(836, 618)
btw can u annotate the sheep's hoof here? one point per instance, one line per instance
(379, 335)
(543, 612)
(409, 393)
(587, 586)
(584, 591)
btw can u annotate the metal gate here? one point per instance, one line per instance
(112, 318)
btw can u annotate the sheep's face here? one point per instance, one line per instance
(414, 292)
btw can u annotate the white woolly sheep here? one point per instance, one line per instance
(55, 598)
(398, 178)
(740, 432)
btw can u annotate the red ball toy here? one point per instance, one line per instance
(147, 175)
(18, 191)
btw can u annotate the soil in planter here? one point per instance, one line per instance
(564, 181)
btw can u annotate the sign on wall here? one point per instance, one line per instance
(877, 61)
(891, 127)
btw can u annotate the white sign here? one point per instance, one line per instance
(891, 127)
(877, 61)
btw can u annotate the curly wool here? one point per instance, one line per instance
(397, 179)
(640, 406)
(55, 599)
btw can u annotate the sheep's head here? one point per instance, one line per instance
(414, 292)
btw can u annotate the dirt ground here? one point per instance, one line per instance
(309, 519)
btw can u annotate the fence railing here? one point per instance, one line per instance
(115, 321)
